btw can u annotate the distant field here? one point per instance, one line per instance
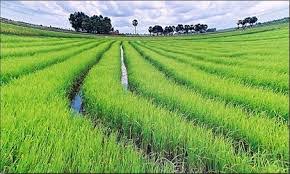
(202, 103)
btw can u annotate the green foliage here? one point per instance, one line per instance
(40, 134)
(204, 103)
(94, 24)
(255, 99)
(224, 119)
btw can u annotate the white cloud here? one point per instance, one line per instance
(219, 14)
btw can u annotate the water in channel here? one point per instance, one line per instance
(124, 78)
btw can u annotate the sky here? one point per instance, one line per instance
(217, 14)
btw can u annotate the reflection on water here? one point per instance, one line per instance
(124, 78)
(77, 102)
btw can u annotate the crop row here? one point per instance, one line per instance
(260, 78)
(218, 47)
(240, 36)
(270, 136)
(42, 42)
(30, 51)
(28, 31)
(14, 68)
(156, 130)
(225, 56)
(253, 99)
(10, 39)
(244, 52)
(39, 134)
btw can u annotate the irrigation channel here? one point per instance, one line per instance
(124, 77)
(77, 101)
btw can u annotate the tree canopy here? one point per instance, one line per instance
(247, 20)
(94, 24)
(180, 28)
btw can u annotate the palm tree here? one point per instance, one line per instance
(150, 30)
(135, 23)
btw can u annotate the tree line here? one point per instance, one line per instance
(94, 24)
(247, 20)
(169, 30)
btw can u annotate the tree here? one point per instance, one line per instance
(94, 24)
(186, 28)
(106, 26)
(197, 27)
(179, 28)
(165, 31)
(150, 29)
(76, 19)
(173, 29)
(191, 28)
(246, 21)
(253, 20)
(203, 28)
(135, 23)
(157, 29)
(87, 25)
(240, 22)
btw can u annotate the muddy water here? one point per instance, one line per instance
(77, 102)
(124, 78)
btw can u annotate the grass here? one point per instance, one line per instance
(196, 103)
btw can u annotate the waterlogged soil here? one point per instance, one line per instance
(124, 77)
(77, 103)
(75, 95)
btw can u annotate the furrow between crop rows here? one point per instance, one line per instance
(256, 78)
(10, 53)
(156, 129)
(53, 140)
(210, 56)
(252, 99)
(44, 42)
(225, 119)
(13, 69)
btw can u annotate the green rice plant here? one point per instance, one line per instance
(195, 102)
(270, 136)
(225, 56)
(31, 51)
(253, 77)
(46, 42)
(14, 68)
(40, 134)
(10, 39)
(253, 99)
(29, 31)
(157, 130)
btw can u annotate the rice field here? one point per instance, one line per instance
(204, 103)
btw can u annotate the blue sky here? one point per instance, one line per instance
(218, 14)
